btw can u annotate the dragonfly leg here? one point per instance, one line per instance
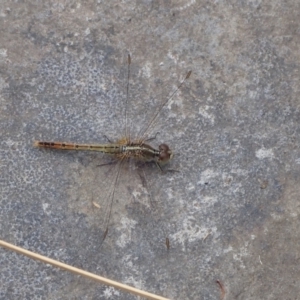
(108, 163)
(170, 171)
(152, 138)
(107, 138)
(166, 171)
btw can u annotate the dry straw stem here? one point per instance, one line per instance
(77, 271)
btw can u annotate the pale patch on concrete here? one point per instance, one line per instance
(45, 208)
(110, 293)
(146, 70)
(3, 52)
(191, 232)
(208, 200)
(190, 187)
(243, 252)
(264, 153)
(185, 5)
(229, 249)
(206, 175)
(204, 112)
(125, 228)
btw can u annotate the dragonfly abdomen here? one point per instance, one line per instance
(104, 148)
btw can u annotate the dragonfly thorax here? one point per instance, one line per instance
(145, 152)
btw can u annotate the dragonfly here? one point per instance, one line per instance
(125, 148)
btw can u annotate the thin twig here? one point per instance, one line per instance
(77, 271)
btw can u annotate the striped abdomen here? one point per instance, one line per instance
(104, 148)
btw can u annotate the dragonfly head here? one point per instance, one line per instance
(165, 154)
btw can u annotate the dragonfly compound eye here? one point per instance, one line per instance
(165, 154)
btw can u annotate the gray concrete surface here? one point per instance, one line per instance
(232, 213)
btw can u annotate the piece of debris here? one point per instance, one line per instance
(96, 204)
(222, 289)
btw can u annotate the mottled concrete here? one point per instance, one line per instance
(232, 213)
